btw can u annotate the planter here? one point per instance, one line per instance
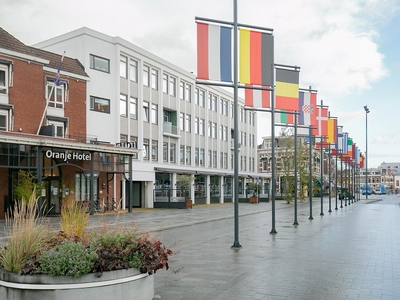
(253, 199)
(189, 204)
(116, 285)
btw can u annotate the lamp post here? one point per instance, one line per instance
(366, 150)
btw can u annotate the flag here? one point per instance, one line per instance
(287, 89)
(57, 79)
(257, 98)
(255, 57)
(345, 145)
(214, 52)
(322, 121)
(332, 131)
(362, 159)
(283, 117)
(339, 144)
(350, 147)
(308, 108)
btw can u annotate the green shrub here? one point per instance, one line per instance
(67, 259)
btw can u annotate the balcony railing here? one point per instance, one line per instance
(169, 128)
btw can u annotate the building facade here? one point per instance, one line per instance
(43, 129)
(137, 100)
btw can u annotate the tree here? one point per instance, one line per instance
(184, 182)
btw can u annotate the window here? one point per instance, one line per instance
(133, 108)
(99, 104)
(165, 152)
(232, 111)
(123, 67)
(188, 155)
(225, 108)
(133, 70)
(154, 150)
(225, 133)
(214, 103)
(123, 105)
(182, 155)
(59, 128)
(196, 96)
(133, 140)
(196, 156)
(182, 90)
(202, 97)
(154, 79)
(3, 120)
(172, 152)
(209, 161)
(201, 157)
(209, 129)
(172, 86)
(99, 63)
(182, 121)
(214, 159)
(188, 92)
(146, 74)
(196, 125)
(145, 149)
(201, 127)
(221, 132)
(3, 79)
(225, 160)
(145, 111)
(214, 130)
(188, 123)
(154, 114)
(221, 160)
(221, 106)
(55, 94)
(165, 84)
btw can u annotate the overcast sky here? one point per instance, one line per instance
(348, 50)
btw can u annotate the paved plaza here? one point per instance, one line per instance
(350, 253)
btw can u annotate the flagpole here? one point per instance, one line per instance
(310, 189)
(295, 171)
(273, 183)
(236, 244)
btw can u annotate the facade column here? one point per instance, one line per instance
(208, 189)
(221, 189)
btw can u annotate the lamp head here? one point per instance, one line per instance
(366, 109)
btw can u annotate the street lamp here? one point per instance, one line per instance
(366, 150)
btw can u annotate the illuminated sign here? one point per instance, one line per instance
(68, 155)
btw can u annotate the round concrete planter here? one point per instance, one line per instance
(116, 285)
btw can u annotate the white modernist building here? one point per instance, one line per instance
(136, 99)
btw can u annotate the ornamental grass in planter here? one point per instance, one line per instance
(34, 247)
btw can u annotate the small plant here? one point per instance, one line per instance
(67, 259)
(74, 218)
(26, 186)
(254, 188)
(185, 182)
(155, 254)
(27, 235)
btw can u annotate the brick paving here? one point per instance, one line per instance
(351, 253)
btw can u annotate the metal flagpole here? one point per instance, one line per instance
(322, 179)
(310, 170)
(336, 177)
(295, 171)
(273, 182)
(236, 244)
(329, 175)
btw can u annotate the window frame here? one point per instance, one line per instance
(94, 58)
(93, 103)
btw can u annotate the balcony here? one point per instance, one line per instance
(169, 129)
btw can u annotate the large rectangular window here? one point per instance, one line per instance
(165, 84)
(165, 152)
(99, 63)
(201, 157)
(3, 120)
(154, 114)
(146, 75)
(55, 94)
(3, 79)
(133, 70)
(154, 150)
(188, 155)
(133, 108)
(154, 79)
(172, 153)
(182, 121)
(134, 140)
(123, 66)
(146, 149)
(145, 111)
(123, 105)
(99, 104)
(182, 155)
(172, 86)
(188, 124)
(201, 127)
